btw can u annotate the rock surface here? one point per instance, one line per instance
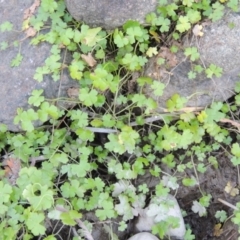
(143, 236)
(17, 83)
(110, 13)
(220, 46)
(159, 210)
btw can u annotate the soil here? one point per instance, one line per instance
(213, 181)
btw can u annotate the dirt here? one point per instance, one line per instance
(213, 181)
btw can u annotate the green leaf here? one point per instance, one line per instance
(205, 200)
(6, 26)
(235, 150)
(189, 182)
(68, 218)
(188, 235)
(124, 208)
(161, 191)
(152, 51)
(221, 215)
(66, 36)
(191, 75)
(90, 38)
(192, 52)
(81, 169)
(236, 218)
(40, 71)
(201, 168)
(34, 222)
(5, 191)
(119, 39)
(53, 63)
(88, 97)
(176, 102)
(199, 208)
(158, 88)
(58, 158)
(80, 118)
(213, 70)
(106, 203)
(76, 68)
(161, 228)
(48, 110)
(108, 121)
(26, 118)
(17, 60)
(40, 197)
(49, 5)
(193, 16)
(133, 62)
(3, 45)
(101, 79)
(188, 3)
(237, 99)
(164, 23)
(218, 11)
(237, 87)
(183, 24)
(36, 99)
(50, 237)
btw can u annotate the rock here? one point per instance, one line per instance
(143, 236)
(110, 14)
(158, 210)
(218, 46)
(17, 83)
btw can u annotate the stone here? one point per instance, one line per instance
(219, 46)
(154, 213)
(143, 236)
(17, 83)
(110, 14)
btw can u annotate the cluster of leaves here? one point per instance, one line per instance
(65, 171)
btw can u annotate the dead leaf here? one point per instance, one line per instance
(187, 109)
(89, 59)
(230, 189)
(30, 32)
(30, 11)
(217, 230)
(12, 167)
(234, 123)
(171, 59)
(73, 92)
(155, 35)
(197, 30)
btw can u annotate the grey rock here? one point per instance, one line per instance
(143, 236)
(110, 13)
(160, 209)
(17, 83)
(220, 46)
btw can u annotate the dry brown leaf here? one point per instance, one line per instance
(89, 59)
(217, 230)
(170, 57)
(30, 11)
(234, 123)
(12, 167)
(73, 92)
(155, 35)
(197, 30)
(30, 32)
(187, 109)
(230, 189)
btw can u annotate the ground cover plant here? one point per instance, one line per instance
(88, 158)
